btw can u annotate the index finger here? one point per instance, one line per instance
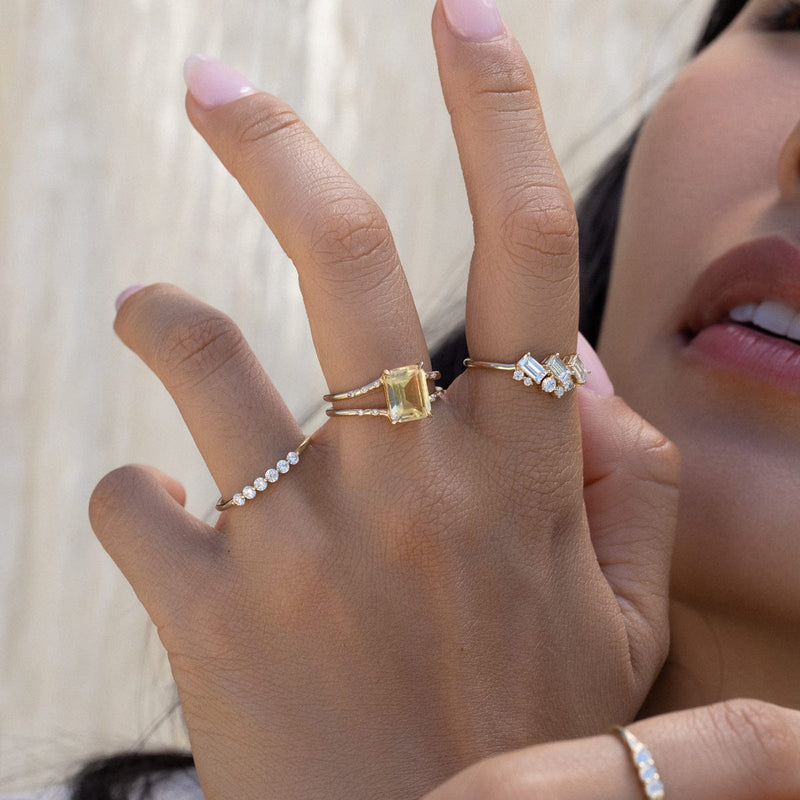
(523, 289)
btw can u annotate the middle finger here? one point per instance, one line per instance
(359, 306)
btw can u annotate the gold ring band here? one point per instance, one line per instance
(643, 764)
(406, 390)
(554, 376)
(262, 482)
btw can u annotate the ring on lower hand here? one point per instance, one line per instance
(643, 763)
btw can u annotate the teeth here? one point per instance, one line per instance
(777, 318)
(744, 313)
(774, 317)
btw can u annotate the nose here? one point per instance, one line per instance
(789, 168)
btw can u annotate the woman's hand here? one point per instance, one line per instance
(739, 750)
(409, 598)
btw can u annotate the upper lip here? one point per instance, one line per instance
(758, 270)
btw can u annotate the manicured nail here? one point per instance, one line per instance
(473, 20)
(597, 381)
(127, 293)
(213, 83)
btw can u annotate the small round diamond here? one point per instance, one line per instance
(560, 392)
(375, 412)
(272, 475)
(360, 412)
(519, 375)
(260, 484)
(239, 500)
(293, 458)
(549, 384)
(283, 467)
(528, 382)
(249, 492)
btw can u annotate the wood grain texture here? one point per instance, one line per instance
(104, 183)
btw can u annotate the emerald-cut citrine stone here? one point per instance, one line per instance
(407, 396)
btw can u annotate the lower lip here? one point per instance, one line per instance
(748, 354)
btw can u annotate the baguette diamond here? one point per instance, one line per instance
(532, 368)
(555, 376)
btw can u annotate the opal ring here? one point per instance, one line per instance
(643, 763)
(406, 391)
(262, 482)
(554, 376)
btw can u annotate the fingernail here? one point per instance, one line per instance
(127, 293)
(473, 20)
(597, 381)
(213, 83)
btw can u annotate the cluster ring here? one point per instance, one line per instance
(554, 376)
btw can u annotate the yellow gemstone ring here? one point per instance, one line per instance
(407, 395)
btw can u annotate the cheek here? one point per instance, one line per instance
(702, 178)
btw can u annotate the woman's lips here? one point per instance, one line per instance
(757, 357)
(761, 270)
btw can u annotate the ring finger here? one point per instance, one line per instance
(523, 290)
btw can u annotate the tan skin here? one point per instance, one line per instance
(735, 631)
(723, 148)
(290, 626)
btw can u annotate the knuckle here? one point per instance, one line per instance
(195, 347)
(351, 238)
(759, 735)
(263, 122)
(506, 90)
(540, 221)
(504, 84)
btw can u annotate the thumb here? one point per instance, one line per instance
(631, 475)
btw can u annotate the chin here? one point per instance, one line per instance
(738, 543)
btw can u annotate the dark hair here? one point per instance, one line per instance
(127, 776)
(132, 776)
(598, 214)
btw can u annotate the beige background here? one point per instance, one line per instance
(104, 184)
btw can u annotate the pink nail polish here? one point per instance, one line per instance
(213, 83)
(474, 20)
(127, 293)
(597, 381)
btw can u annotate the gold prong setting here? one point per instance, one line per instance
(407, 395)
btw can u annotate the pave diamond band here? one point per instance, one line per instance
(406, 391)
(554, 375)
(643, 763)
(262, 482)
